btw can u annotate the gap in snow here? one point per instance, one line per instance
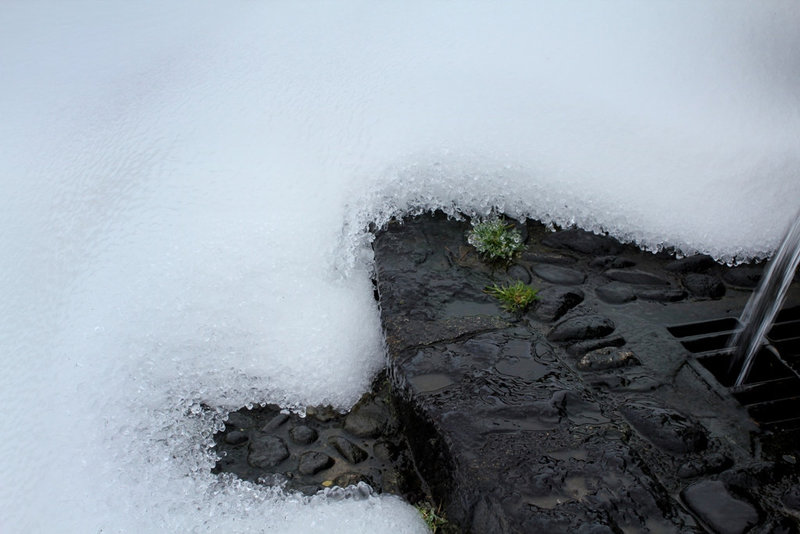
(186, 192)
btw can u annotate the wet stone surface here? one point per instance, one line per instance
(583, 414)
(322, 449)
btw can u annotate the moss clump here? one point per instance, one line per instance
(515, 298)
(497, 241)
(433, 518)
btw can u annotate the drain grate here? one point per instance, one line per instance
(771, 392)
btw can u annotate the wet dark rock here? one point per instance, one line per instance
(546, 257)
(313, 462)
(660, 294)
(554, 302)
(746, 276)
(349, 450)
(616, 293)
(366, 421)
(559, 275)
(633, 276)
(612, 262)
(606, 358)
(351, 479)
(580, 328)
(518, 272)
(707, 465)
(699, 263)
(582, 347)
(583, 241)
(238, 421)
(704, 285)
(275, 422)
(791, 498)
(718, 508)
(236, 437)
(267, 451)
(303, 434)
(666, 428)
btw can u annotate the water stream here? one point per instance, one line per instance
(765, 303)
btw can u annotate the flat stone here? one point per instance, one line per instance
(267, 451)
(666, 428)
(351, 479)
(275, 422)
(518, 272)
(559, 275)
(313, 462)
(635, 276)
(554, 302)
(546, 257)
(704, 285)
(746, 276)
(698, 263)
(236, 437)
(349, 450)
(660, 294)
(720, 510)
(615, 293)
(581, 327)
(583, 241)
(366, 422)
(303, 434)
(582, 347)
(606, 358)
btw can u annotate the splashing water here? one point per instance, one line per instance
(765, 303)
(186, 187)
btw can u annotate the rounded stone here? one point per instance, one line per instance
(661, 294)
(720, 510)
(518, 272)
(236, 437)
(693, 264)
(275, 422)
(704, 286)
(366, 422)
(554, 302)
(583, 241)
(616, 293)
(313, 462)
(633, 276)
(303, 434)
(606, 358)
(267, 451)
(559, 275)
(581, 327)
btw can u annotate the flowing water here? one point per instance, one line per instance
(766, 302)
(186, 188)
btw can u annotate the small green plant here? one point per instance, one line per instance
(432, 517)
(516, 297)
(496, 240)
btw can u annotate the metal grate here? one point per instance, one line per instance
(771, 392)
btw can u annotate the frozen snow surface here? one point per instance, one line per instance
(185, 188)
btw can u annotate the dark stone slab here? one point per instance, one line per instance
(554, 302)
(313, 462)
(746, 276)
(709, 464)
(367, 421)
(349, 450)
(559, 275)
(518, 272)
(583, 241)
(538, 256)
(275, 422)
(704, 285)
(580, 328)
(666, 428)
(635, 276)
(616, 293)
(267, 451)
(303, 434)
(698, 263)
(660, 294)
(718, 508)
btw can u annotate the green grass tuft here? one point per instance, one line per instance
(496, 240)
(433, 518)
(515, 298)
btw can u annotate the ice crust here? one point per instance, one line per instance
(186, 190)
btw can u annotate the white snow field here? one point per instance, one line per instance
(185, 188)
